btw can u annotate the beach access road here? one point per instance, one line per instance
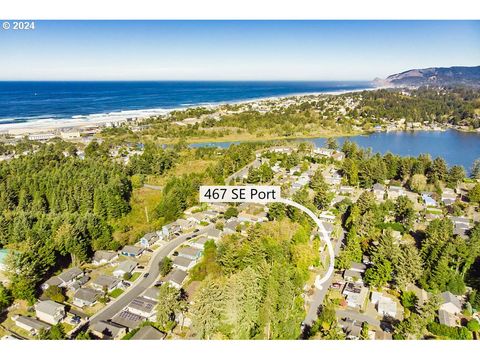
(142, 284)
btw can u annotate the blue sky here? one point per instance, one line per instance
(234, 50)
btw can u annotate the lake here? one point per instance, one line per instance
(456, 147)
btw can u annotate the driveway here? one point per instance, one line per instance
(143, 283)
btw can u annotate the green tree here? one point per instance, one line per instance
(474, 194)
(5, 297)
(165, 266)
(208, 308)
(55, 293)
(476, 169)
(231, 212)
(170, 303)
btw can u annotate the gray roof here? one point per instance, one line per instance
(181, 261)
(128, 319)
(142, 304)
(88, 295)
(48, 307)
(189, 251)
(70, 274)
(214, 233)
(177, 276)
(151, 293)
(445, 318)
(130, 249)
(360, 267)
(352, 274)
(104, 255)
(106, 281)
(127, 266)
(107, 328)
(31, 322)
(448, 297)
(148, 333)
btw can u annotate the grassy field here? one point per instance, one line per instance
(135, 224)
(248, 137)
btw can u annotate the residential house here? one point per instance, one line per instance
(143, 307)
(386, 307)
(65, 279)
(450, 303)
(128, 319)
(148, 333)
(176, 278)
(102, 257)
(131, 251)
(125, 267)
(49, 311)
(351, 328)
(352, 276)
(394, 192)
(231, 227)
(199, 242)
(379, 191)
(429, 200)
(183, 263)
(32, 325)
(447, 318)
(338, 156)
(77, 284)
(356, 294)
(213, 234)
(86, 297)
(151, 294)
(189, 252)
(448, 196)
(149, 239)
(107, 330)
(106, 283)
(346, 190)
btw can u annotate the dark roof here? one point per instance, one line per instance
(148, 333)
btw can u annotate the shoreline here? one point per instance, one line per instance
(78, 122)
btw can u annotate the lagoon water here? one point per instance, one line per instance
(457, 148)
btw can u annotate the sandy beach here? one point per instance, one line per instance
(97, 120)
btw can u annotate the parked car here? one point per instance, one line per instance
(140, 267)
(158, 283)
(146, 275)
(149, 250)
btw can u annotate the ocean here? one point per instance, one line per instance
(30, 102)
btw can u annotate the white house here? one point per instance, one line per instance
(86, 297)
(124, 267)
(143, 307)
(450, 303)
(49, 311)
(32, 325)
(102, 257)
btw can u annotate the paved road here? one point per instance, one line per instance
(319, 294)
(143, 283)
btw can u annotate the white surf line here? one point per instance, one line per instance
(318, 280)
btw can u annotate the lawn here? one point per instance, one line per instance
(134, 277)
(116, 293)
